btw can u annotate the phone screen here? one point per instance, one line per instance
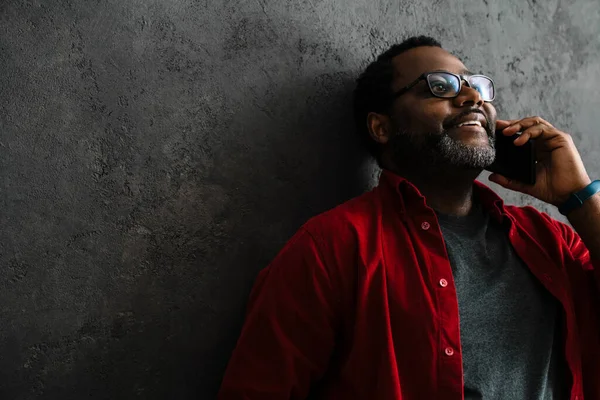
(514, 162)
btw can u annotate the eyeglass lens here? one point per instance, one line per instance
(443, 84)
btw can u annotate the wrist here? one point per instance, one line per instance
(581, 215)
(579, 197)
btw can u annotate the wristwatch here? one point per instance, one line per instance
(576, 199)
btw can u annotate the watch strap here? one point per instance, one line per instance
(576, 199)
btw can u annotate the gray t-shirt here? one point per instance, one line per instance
(509, 323)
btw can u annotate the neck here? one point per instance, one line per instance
(448, 190)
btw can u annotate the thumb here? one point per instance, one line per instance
(509, 183)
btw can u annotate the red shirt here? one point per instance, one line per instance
(361, 303)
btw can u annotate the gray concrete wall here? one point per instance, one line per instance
(155, 155)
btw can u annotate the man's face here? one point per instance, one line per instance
(426, 128)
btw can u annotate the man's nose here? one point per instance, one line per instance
(468, 96)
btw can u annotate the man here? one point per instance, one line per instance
(429, 287)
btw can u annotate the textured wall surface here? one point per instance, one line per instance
(155, 155)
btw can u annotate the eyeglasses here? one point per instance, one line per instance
(448, 85)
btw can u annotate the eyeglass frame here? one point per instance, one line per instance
(460, 77)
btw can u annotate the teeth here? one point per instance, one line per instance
(469, 123)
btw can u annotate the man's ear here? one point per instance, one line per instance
(379, 126)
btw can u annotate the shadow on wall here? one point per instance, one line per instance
(311, 161)
(157, 171)
(286, 159)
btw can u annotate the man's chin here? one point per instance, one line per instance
(443, 150)
(479, 139)
(468, 156)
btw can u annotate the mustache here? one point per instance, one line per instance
(455, 120)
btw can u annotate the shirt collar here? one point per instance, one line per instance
(412, 201)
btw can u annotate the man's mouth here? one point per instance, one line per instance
(469, 123)
(473, 121)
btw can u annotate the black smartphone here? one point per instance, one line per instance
(514, 162)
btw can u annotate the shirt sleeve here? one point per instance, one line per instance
(579, 252)
(288, 335)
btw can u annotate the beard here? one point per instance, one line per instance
(441, 150)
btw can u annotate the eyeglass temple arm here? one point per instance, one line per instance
(409, 86)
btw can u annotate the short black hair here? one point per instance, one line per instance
(373, 92)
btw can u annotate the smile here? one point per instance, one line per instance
(469, 123)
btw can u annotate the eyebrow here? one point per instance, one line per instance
(463, 71)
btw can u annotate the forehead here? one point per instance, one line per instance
(412, 63)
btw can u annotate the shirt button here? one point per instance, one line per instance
(443, 283)
(449, 351)
(425, 225)
(547, 278)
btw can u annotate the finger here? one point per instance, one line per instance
(503, 123)
(524, 124)
(537, 131)
(544, 122)
(510, 183)
(527, 134)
